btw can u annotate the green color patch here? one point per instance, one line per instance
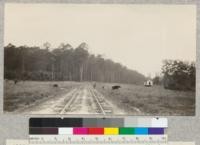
(126, 130)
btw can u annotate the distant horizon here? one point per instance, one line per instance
(139, 37)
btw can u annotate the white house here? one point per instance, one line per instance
(148, 83)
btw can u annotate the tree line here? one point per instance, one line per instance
(64, 63)
(177, 75)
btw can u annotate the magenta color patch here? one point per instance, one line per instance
(81, 130)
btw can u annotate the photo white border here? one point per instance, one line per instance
(180, 128)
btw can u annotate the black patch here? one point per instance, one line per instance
(115, 87)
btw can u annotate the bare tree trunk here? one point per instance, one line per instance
(23, 67)
(52, 72)
(81, 73)
(91, 76)
(70, 76)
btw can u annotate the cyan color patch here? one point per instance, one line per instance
(141, 131)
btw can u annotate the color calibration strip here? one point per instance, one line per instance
(99, 122)
(96, 131)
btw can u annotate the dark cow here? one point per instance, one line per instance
(55, 85)
(116, 87)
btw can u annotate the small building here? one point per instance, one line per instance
(148, 83)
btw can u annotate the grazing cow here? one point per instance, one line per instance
(55, 85)
(116, 87)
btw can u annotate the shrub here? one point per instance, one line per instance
(179, 75)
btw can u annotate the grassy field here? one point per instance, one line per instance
(133, 99)
(150, 100)
(24, 94)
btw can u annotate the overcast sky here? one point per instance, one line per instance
(137, 36)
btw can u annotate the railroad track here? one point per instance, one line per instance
(74, 95)
(101, 103)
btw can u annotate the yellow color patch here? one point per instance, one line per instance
(111, 131)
